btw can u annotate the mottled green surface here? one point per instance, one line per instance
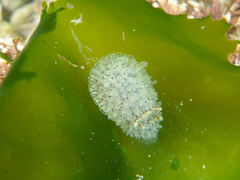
(51, 129)
(175, 163)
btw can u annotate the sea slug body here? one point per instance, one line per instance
(123, 91)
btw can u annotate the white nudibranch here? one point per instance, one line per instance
(123, 91)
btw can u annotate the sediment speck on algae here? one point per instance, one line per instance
(123, 90)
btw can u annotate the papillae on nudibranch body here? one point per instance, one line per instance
(123, 91)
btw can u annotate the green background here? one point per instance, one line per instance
(50, 127)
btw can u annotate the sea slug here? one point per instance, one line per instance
(123, 90)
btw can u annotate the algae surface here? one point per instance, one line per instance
(50, 127)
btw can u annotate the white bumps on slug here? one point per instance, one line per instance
(123, 91)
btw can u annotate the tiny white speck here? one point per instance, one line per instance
(181, 104)
(77, 21)
(139, 176)
(123, 35)
(70, 6)
(90, 139)
(190, 157)
(92, 133)
(82, 67)
(150, 168)
(202, 27)
(149, 155)
(190, 99)
(134, 30)
(55, 62)
(204, 166)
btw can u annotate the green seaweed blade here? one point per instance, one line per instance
(50, 127)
